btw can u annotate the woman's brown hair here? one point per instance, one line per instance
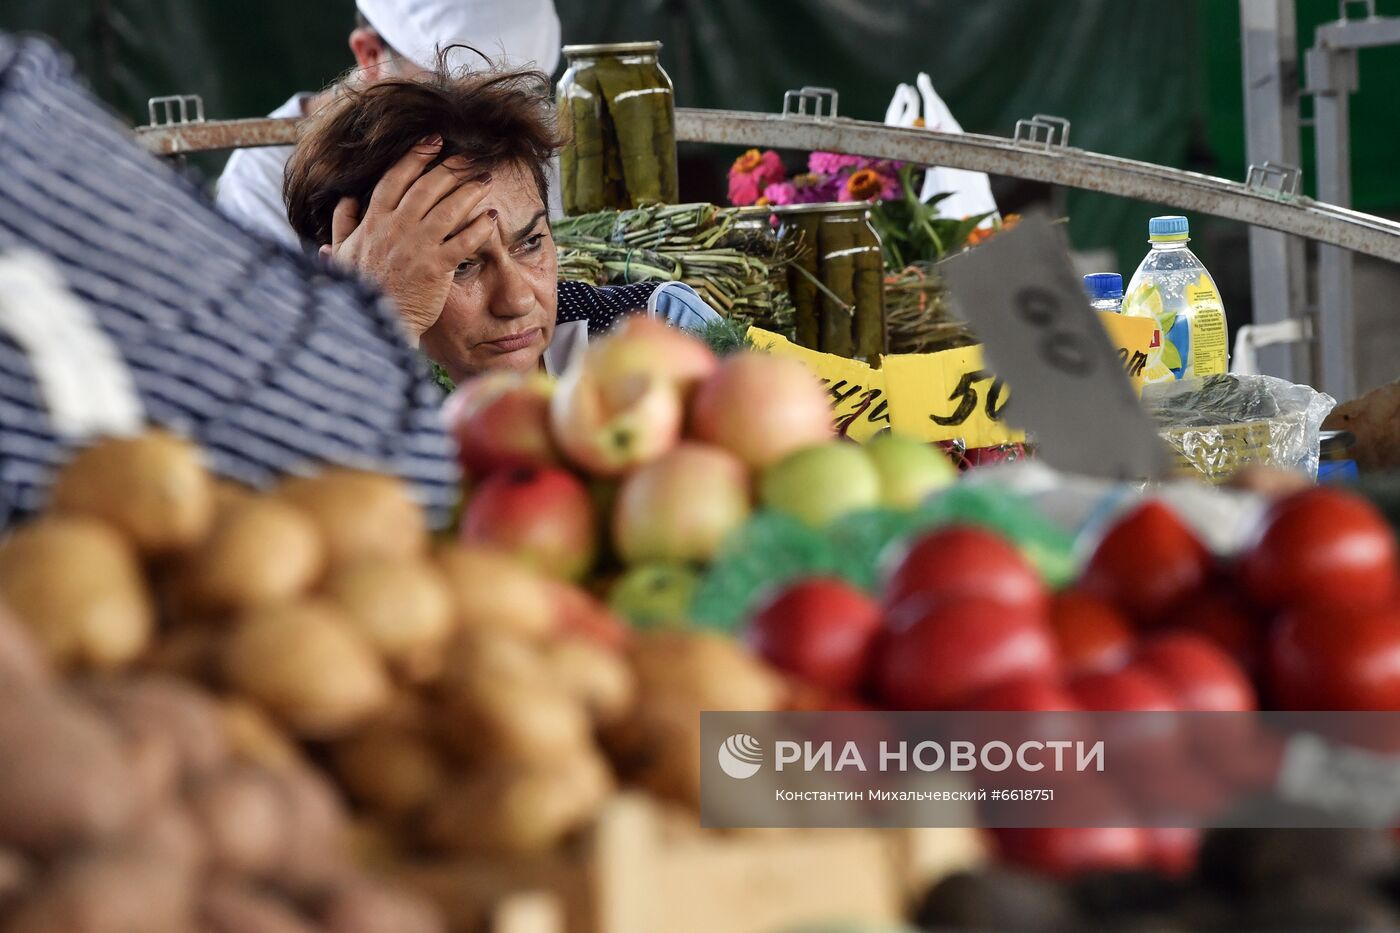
(491, 117)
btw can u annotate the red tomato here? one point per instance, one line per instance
(820, 629)
(1322, 545)
(1132, 688)
(1092, 635)
(1173, 849)
(1140, 746)
(1203, 678)
(1146, 562)
(954, 650)
(1069, 851)
(963, 562)
(1028, 694)
(1046, 700)
(1230, 622)
(1329, 658)
(1200, 675)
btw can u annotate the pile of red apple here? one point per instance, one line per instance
(1306, 618)
(650, 451)
(644, 448)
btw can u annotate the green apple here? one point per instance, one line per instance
(820, 484)
(909, 469)
(654, 594)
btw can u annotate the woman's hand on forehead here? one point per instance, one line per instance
(459, 165)
(420, 222)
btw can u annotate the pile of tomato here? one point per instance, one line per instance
(1306, 617)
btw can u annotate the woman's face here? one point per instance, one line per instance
(500, 309)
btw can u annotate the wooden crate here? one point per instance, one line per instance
(632, 875)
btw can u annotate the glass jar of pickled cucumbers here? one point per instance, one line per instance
(618, 107)
(837, 283)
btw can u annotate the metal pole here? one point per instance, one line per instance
(1332, 77)
(1277, 262)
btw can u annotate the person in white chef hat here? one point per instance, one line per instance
(392, 38)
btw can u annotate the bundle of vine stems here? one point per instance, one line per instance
(733, 258)
(918, 318)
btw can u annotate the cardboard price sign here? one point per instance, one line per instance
(1131, 338)
(946, 395)
(939, 396)
(1021, 296)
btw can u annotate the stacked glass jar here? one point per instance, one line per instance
(618, 107)
(837, 283)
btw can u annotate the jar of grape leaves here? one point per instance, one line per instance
(837, 282)
(618, 107)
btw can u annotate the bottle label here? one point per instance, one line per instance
(1194, 338)
(1209, 337)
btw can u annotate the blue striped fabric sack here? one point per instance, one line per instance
(272, 363)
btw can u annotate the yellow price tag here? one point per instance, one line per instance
(946, 395)
(1132, 337)
(939, 396)
(857, 391)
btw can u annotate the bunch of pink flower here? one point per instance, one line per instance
(759, 178)
(807, 188)
(751, 174)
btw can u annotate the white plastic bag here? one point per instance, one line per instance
(970, 192)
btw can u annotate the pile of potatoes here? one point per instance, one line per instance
(143, 804)
(462, 703)
(679, 674)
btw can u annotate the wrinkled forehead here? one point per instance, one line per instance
(515, 195)
(518, 171)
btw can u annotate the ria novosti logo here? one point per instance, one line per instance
(740, 756)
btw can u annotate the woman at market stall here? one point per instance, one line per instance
(435, 188)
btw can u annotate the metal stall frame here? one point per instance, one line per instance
(1267, 199)
(1277, 262)
(1271, 95)
(1332, 76)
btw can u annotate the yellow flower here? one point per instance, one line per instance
(762, 201)
(864, 185)
(747, 162)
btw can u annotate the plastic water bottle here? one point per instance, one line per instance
(1172, 286)
(1105, 291)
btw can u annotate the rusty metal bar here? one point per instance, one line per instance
(1074, 168)
(216, 135)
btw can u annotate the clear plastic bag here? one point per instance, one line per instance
(1219, 424)
(1085, 506)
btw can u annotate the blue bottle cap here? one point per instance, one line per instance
(1168, 228)
(1103, 285)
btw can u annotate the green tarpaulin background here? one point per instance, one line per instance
(1143, 79)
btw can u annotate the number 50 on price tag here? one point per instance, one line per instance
(1022, 298)
(948, 394)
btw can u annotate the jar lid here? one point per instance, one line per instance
(752, 210)
(610, 48)
(819, 207)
